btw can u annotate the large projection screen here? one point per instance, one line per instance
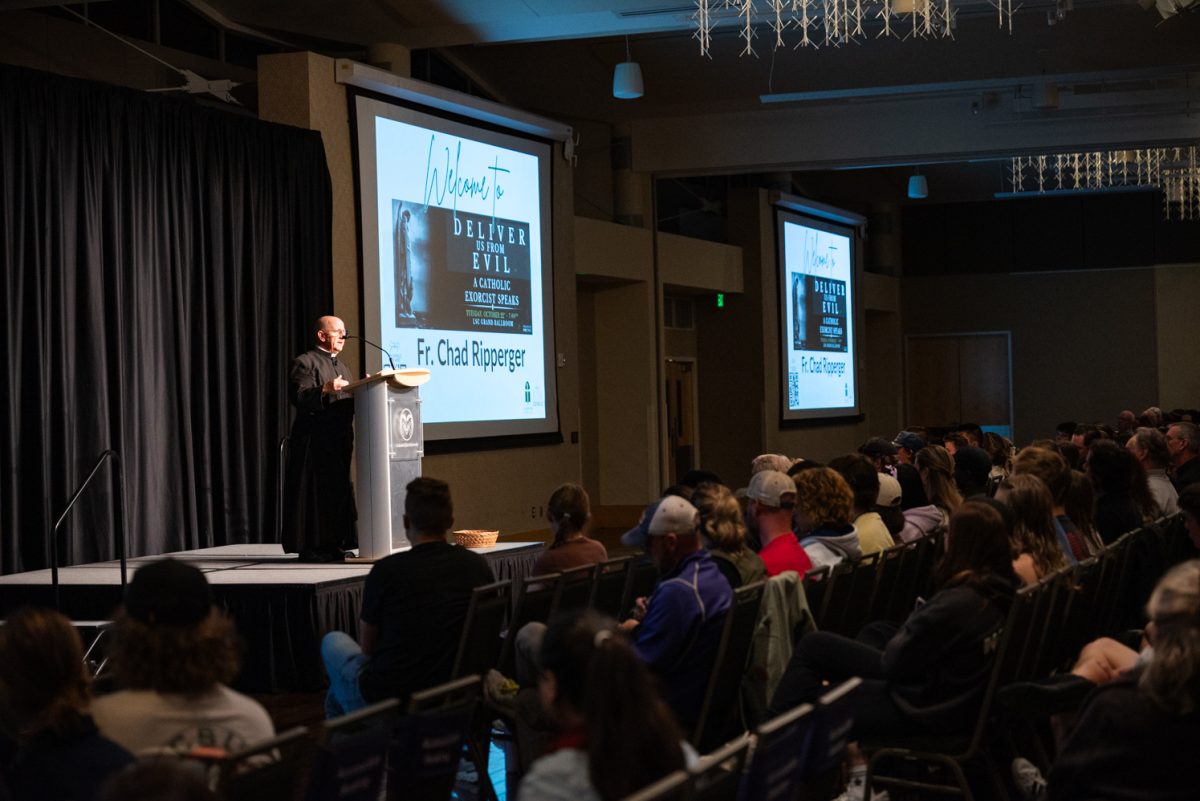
(457, 273)
(818, 253)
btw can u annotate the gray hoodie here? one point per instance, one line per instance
(825, 546)
(919, 521)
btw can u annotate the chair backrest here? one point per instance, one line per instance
(718, 776)
(268, 771)
(817, 583)
(536, 596)
(479, 645)
(428, 741)
(848, 605)
(781, 747)
(888, 571)
(574, 589)
(831, 730)
(672, 787)
(608, 586)
(643, 575)
(721, 695)
(352, 754)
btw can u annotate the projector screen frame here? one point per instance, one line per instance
(837, 221)
(458, 109)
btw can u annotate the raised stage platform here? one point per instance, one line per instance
(282, 607)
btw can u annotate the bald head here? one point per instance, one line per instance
(331, 333)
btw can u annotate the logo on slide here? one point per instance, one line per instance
(527, 393)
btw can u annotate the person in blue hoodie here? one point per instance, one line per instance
(677, 630)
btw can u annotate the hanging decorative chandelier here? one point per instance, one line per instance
(1174, 170)
(832, 23)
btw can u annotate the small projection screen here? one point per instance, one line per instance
(818, 252)
(457, 276)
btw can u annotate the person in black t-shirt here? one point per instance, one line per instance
(414, 606)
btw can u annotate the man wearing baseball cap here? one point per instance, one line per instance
(680, 631)
(772, 496)
(907, 444)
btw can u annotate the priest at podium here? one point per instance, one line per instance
(318, 499)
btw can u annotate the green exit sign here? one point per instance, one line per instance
(720, 300)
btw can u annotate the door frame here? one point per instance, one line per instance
(958, 335)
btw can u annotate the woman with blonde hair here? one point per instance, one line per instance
(936, 466)
(1035, 542)
(1137, 733)
(568, 512)
(44, 695)
(824, 509)
(724, 531)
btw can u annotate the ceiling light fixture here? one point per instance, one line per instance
(1174, 170)
(627, 77)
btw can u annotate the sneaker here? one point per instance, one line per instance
(1028, 779)
(856, 787)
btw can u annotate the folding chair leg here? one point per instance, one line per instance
(487, 790)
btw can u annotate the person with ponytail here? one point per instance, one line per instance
(615, 734)
(1137, 733)
(568, 512)
(936, 467)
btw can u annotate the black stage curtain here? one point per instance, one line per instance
(161, 264)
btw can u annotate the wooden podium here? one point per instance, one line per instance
(388, 444)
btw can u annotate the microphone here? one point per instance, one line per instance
(391, 363)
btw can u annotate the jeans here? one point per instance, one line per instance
(824, 657)
(344, 661)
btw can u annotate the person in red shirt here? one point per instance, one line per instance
(772, 496)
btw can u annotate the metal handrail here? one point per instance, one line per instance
(118, 522)
(281, 478)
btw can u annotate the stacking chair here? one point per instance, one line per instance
(889, 571)
(574, 589)
(536, 597)
(720, 706)
(781, 748)
(848, 604)
(817, 583)
(608, 586)
(268, 771)
(428, 742)
(642, 578)
(479, 645)
(954, 751)
(352, 754)
(718, 776)
(673, 787)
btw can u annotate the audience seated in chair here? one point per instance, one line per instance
(568, 512)
(824, 508)
(723, 531)
(1149, 448)
(1034, 539)
(173, 655)
(863, 478)
(157, 780)
(1052, 469)
(928, 676)
(770, 499)
(921, 517)
(413, 609)
(57, 751)
(935, 465)
(614, 733)
(1123, 500)
(1137, 734)
(678, 629)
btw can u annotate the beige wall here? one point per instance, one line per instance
(503, 489)
(1177, 293)
(1084, 344)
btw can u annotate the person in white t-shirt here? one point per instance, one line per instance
(173, 655)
